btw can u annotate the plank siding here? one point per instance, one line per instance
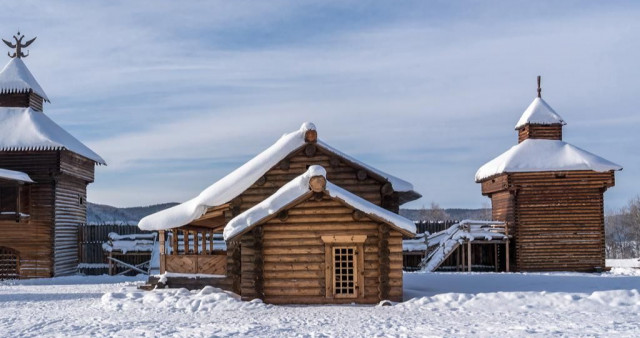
(556, 218)
(70, 213)
(47, 239)
(293, 255)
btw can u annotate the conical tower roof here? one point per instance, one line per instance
(539, 112)
(15, 77)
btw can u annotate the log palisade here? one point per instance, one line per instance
(556, 216)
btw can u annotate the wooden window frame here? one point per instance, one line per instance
(357, 243)
(21, 195)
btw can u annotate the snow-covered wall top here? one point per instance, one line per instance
(15, 77)
(539, 112)
(15, 175)
(535, 155)
(297, 188)
(24, 129)
(242, 178)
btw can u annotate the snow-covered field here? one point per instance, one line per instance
(439, 304)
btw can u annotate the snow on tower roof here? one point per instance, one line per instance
(299, 187)
(539, 112)
(15, 176)
(535, 155)
(16, 78)
(239, 180)
(23, 129)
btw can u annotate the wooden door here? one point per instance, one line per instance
(345, 272)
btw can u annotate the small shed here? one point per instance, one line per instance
(314, 242)
(550, 194)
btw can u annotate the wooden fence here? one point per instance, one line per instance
(92, 258)
(433, 226)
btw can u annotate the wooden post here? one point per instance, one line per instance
(196, 243)
(174, 242)
(204, 243)
(457, 259)
(185, 240)
(507, 255)
(162, 251)
(495, 256)
(211, 242)
(469, 255)
(18, 204)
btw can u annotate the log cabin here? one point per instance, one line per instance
(550, 194)
(44, 200)
(193, 224)
(313, 242)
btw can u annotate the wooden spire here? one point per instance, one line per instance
(539, 88)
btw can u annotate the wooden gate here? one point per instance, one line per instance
(9, 263)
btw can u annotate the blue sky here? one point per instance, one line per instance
(174, 95)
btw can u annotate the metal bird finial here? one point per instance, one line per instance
(18, 45)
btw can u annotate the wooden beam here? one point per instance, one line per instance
(469, 255)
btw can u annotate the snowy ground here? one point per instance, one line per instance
(441, 304)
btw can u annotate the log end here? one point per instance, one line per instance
(317, 183)
(310, 136)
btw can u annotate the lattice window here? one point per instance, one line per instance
(345, 271)
(9, 263)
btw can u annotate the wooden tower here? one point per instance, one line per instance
(43, 191)
(550, 194)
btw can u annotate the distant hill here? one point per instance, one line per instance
(106, 214)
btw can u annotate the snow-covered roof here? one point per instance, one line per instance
(242, 178)
(15, 77)
(419, 243)
(535, 155)
(449, 239)
(15, 176)
(298, 188)
(24, 129)
(539, 112)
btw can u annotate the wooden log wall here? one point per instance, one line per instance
(339, 172)
(26, 99)
(560, 219)
(556, 218)
(537, 131)
(32, 237)
(293, 253)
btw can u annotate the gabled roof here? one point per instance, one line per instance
(15, 77)
(535, 155)
(296, 190)
(239, 180)
(539, 112)
(24, 129)
(13, 175)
